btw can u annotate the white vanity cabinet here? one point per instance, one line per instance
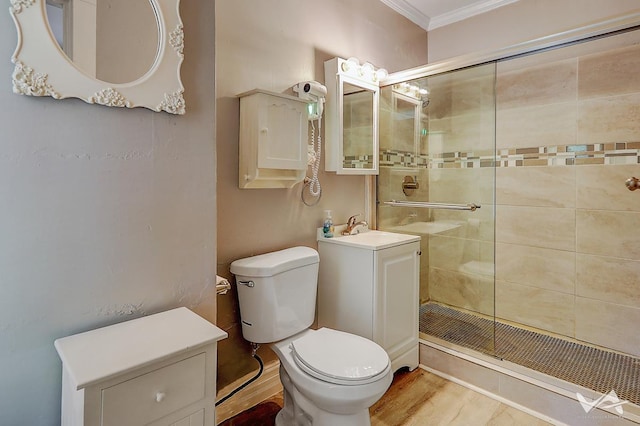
(155, 370)
(368, 285)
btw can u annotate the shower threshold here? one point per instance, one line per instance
(590, 367)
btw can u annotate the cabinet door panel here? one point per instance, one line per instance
(397, 298)
(345, 289)
(282, 136)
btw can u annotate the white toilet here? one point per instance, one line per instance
(330, 377)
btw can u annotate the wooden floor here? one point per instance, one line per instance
(416, 398)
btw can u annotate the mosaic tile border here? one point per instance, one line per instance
(392, 158)
(559, 155)
(357, 162)
(569, 155)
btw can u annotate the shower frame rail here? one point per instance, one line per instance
(425, 205)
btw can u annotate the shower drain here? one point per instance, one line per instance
(593, 368)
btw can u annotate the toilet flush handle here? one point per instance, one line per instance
(247, 283)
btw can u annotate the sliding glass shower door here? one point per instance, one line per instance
(437, 180)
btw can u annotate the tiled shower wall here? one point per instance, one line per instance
(567, 231)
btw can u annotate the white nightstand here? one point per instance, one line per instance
(155, 370)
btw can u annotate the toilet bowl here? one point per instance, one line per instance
(330, 378)
(348, 375)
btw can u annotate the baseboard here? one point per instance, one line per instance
(266, 386)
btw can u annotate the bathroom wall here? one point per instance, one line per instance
(273, 48)
(106, 214)
(519, 22)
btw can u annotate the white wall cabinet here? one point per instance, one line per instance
(155, 370)
(369, 285)
(274, 130)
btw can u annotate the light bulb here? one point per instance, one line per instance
(354, 61)
(367, 71)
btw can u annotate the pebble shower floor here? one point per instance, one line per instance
(583, 365)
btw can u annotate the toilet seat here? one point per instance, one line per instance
(341, 358)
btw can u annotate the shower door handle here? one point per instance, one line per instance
(425, 205)
(632, 183)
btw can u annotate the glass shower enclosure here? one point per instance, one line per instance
(437, 180)
(513, 173)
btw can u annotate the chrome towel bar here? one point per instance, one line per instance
(425, 205)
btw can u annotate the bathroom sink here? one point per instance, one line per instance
(427, 228)
(372, 239)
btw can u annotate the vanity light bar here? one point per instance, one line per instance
(365, 72)
(410, 90)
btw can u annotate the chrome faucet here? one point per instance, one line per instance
(352, 225)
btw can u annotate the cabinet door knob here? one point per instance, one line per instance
(160, 396)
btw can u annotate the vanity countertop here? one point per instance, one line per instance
(369, 239)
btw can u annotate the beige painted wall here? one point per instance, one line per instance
(106, 214)
(518, 22)
(272, 46)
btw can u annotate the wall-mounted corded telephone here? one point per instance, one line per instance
(314, 92)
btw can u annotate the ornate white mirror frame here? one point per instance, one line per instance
(42, 68)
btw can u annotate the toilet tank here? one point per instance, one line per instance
(277, 293)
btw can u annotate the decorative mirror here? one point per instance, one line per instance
(121, 53)
(351, 134)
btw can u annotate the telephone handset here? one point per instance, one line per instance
(314, 92)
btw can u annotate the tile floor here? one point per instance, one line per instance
(416, 398)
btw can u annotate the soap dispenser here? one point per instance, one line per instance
(327, 225)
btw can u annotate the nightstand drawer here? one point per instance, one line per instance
(153, 395)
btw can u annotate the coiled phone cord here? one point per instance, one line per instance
(314, 183)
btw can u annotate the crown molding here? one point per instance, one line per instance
(428, 23)
(409, 12)
(465, 12)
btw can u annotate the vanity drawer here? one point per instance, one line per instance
(153, 395)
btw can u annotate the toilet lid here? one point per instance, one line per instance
(338, 357)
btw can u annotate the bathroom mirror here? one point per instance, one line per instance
(125, 32)
(351, 132)
(406, 124)
(359, 125)
(121, 53)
